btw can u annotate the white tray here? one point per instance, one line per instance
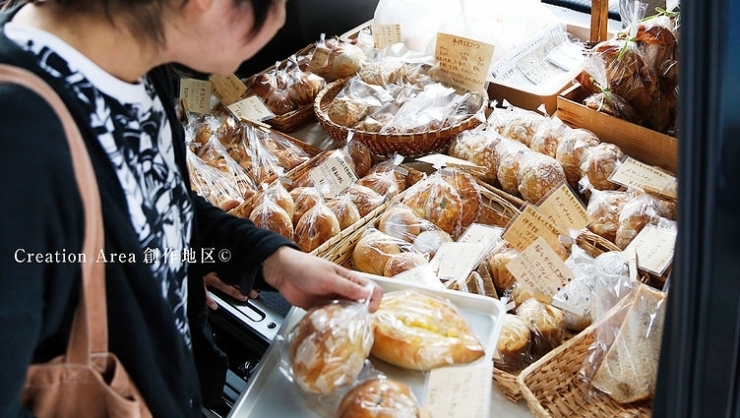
(270, 393)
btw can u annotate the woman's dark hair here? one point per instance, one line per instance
(144, 17)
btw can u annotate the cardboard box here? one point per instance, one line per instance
(644, 144)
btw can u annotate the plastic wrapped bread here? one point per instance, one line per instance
(572, 147)
(629, 370)
(379, 397)
(421, 332)
(546, 323)
(316, 226)
(599, 163)
(603, 209)
(513, 346)
(538, 175)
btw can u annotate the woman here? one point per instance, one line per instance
(106, 59)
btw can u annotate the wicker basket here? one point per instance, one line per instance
(552, 388)
(291, 121)
(593, 244)
(386, 145)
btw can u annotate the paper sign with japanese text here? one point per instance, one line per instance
(332, 176)
(464, 62)
(197, 94)
(384, 35)
(635, 174)
(251, 108)
(460, 392)
(564, 209)
(539, 269)
(227, 89)
(485, 235)
(528, 226)
(455, 260)
(654, 247)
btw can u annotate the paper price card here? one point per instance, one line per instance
(251, 108)
(654, 247)
(333, 176)
(455, 260)
(530, 225)
(384, 35)
(539, 269)
(633, 173)
(485, 235)
(564, 209)
(197, 94)
(423, 275)
(227, 89)
(460, 392)
(464, 62)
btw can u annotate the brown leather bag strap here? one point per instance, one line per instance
(90, 327)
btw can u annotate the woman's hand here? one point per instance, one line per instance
(306, 281)
(212, 280)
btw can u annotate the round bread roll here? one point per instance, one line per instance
(315, 227)
(399, 263)
(503, 280)
(381, 73)
(546, 323)
(401, 222)
(547, 138)
(638, 212)
(513, 345)
(346, 112)
(279, 102)
(437, 201)
(305, 87)
(603, 209)
(522, 124)
(361, 156)
(508, 170)
(389, 167)
(538, 175)
(365, 198)
(469, 191)
(573, 146)
(279, 194)
(270, 216)
(599, 163)
(428, 242)
(373, 250)
(304, 198)
(420, 332)
(385, 184)
(379, 397)
(329, 345)
(346, 211)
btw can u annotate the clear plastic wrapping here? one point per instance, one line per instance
(436, 200)
(546, 323)
(380, 397)
(421, 332)
(513, 349)
(316, 226)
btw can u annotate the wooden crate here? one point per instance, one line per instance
(642, 143)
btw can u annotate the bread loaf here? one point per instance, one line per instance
(379, 397)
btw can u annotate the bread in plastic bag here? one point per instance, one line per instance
(603, 209)
(513, 346)
(571, 150)
(316, 226)
(417, 331)
(546, 323)
(379, 397)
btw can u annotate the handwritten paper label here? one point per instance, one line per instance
(251, 108)
(564, 209)
(319, 59)
(333, 176)
(485, 235)
(464, 62)
(633, 173)
(539, 269)
(654, 247)
(197, 94)
(227, 89)
(455, 260)
(384, 35)
(460, 392)
(528, 226)
(423, 275)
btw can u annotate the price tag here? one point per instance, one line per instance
(333, 176)
(564, 209)
(422, 275)
(251, 108)
(384, 35)
(539, 269)
(528, 226)
(633, 173)
(485, 235)
(464, 62)
(319, 59)
(197, 94)
(455, 260)
(654, 247)
(460, 392)
(228, 89)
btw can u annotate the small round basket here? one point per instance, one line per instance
(386, 145)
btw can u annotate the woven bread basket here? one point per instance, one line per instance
(552, 387)
(386, 145)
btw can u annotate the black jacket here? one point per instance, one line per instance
(40, 213)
